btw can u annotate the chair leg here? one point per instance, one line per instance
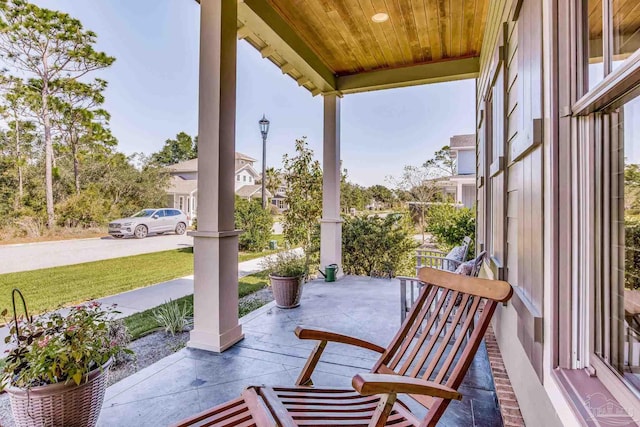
(383, 410)
(312, 361)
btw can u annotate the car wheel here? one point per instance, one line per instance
(181, 228)
(118, 236)
(140, 232)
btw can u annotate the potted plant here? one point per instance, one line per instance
(56, 373)
(287, 271)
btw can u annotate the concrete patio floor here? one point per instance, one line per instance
(190, 381)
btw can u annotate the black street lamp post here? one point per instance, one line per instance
(264, 130)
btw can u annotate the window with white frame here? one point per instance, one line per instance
(610, 126)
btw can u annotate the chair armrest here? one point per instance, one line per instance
(370, 384)
(325, 335)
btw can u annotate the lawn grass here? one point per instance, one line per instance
(246, 256)
(51, 288)
(140, 324)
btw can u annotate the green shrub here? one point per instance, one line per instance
(632, 254)
(449, 225)
(87, 209)
(255, 223)
(372, 244)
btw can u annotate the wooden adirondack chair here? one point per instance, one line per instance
(427, 366)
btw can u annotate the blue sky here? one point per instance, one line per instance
(153, 95)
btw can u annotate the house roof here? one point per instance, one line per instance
(251, 170)
(186, 166)
(192, 165)
(463, 141)
(245, 157)
(251, 190)
(178, 185)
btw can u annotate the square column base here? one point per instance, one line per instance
(215, 297)
(204, 340)
(331, 243)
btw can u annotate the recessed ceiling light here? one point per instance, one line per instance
(380, 17)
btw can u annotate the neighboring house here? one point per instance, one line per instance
(183, 185)
(462, 186)
(279, 200)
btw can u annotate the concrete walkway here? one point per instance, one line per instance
(142, 299)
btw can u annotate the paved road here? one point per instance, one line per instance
(33, 256)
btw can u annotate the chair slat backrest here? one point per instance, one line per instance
(441, 334)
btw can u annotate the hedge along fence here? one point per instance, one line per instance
(450, 224)
(372, 245)
(632, 254)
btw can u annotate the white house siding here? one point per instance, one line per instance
(244, 178)
(466, 162)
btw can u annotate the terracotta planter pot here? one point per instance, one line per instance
(286, 291)
(60, 404)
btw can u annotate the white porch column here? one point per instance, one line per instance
(459, 192)
(331, 224)
(216, 325)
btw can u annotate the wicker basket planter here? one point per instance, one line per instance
(60, 404)
(286, 290)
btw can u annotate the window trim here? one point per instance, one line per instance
(613, 91)
(591, 113)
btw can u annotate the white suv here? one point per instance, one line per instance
(147, 221)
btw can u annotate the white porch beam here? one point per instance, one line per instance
(435, 72)
(216, 325)
(331, 224)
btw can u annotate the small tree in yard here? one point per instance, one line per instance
(376, 245)
(255, 223)
(442, 163)
(303, 176)
(419, 187)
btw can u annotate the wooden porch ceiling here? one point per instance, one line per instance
(334, 45)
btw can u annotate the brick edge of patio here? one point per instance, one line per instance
(507, 400)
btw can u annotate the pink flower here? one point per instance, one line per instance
(43, 342)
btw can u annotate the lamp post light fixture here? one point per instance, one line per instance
(264, 130)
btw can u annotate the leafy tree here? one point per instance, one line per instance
(127, 188)
(372, 245)
(418, 185)
(48, 46)
(381, 194)
(273, 180)
(303, 177)
(182, 148)
(353, 196)
(632, 189)
(442, 163)
(82, 124)
(255, 222)
(13, 109)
